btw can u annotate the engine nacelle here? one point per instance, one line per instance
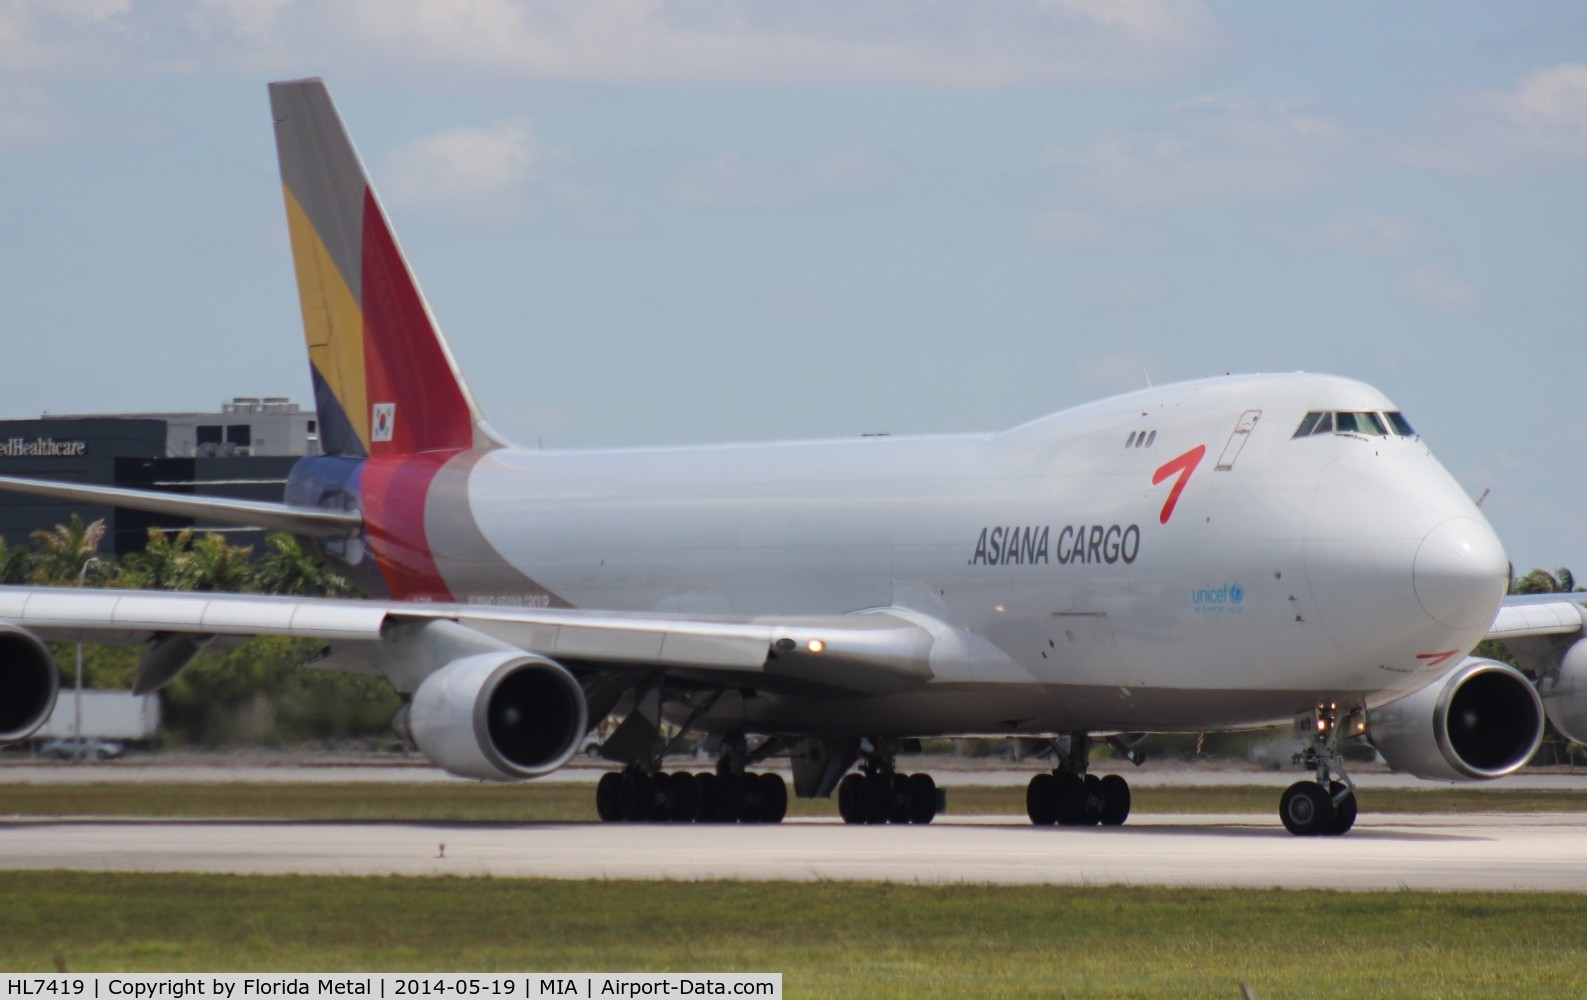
(29, 682)
(498, 716)
(1481, 720)
(1564, 693)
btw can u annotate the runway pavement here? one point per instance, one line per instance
(1386, 852)
(949, 772)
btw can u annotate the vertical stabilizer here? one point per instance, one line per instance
(385, 382)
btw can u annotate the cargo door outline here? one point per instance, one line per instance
(1242, 431)
(1087, 650)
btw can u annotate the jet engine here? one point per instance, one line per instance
(498, 716)
(1481, 720)
(29, 682)
(1564, 693)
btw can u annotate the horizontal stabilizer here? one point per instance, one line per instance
(254, 513)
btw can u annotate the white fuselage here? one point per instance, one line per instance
(1066, 592)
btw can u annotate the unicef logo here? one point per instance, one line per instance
(1225, 600)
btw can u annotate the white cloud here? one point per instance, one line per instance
(1370, 233)
(1430, 285)
(478, 173)
(937, 42)
(1216, 149)
(733, 180)
(54, 34)
(1538, 124)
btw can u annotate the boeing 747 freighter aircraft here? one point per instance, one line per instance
(1224, 554)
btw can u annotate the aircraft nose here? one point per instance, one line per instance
(1460, 573)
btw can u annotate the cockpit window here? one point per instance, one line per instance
(1307, 425)
(1366, 423)
(1359, 423)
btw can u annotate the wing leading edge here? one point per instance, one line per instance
(865, 653)
(254, 513)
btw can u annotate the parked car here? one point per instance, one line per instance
(93, 749)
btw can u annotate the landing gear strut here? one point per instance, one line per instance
(1071, 796)
(1326, 805)
(879, 794)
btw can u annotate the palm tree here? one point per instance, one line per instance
(16, 563)
(64, 551)
(1541, 581)
(166, 562)
(219, 566)
(286, 568)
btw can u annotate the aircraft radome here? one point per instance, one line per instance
(1222, 554)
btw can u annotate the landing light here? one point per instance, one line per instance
(816, 645)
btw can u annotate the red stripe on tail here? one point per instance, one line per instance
(414, 395)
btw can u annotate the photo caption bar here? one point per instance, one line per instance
(389, 986)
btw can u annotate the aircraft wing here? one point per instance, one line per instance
(865, 653)
(1525, 616)
(254, 513)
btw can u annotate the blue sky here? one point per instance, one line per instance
(644, 221)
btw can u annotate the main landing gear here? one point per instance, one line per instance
(642, 793)
(1326, 805)
(879, 794)
(1071, 796)
(637, 796)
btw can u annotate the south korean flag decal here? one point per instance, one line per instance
(385, 418)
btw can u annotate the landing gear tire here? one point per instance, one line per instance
(903, 806)
(1071, 800)
(773, 798)
(685, 797)
(879, 798)
(1041, 799)
(853, 799)
(922, 799)
(607, 805)
(1344, 811)
(1115, 800)
(730, 798)
(1094, 800)
(1307, 809)
(710, 797)
(636, 797)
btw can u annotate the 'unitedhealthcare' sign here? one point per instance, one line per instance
(42, 448)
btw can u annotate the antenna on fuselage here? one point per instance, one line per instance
(1485, 491)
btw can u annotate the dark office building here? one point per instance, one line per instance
(245, 451)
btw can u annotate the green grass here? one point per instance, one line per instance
(564, 802)
(828, 939)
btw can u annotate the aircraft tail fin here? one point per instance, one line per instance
(385, 381)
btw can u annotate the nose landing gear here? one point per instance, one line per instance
(1326, 805)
